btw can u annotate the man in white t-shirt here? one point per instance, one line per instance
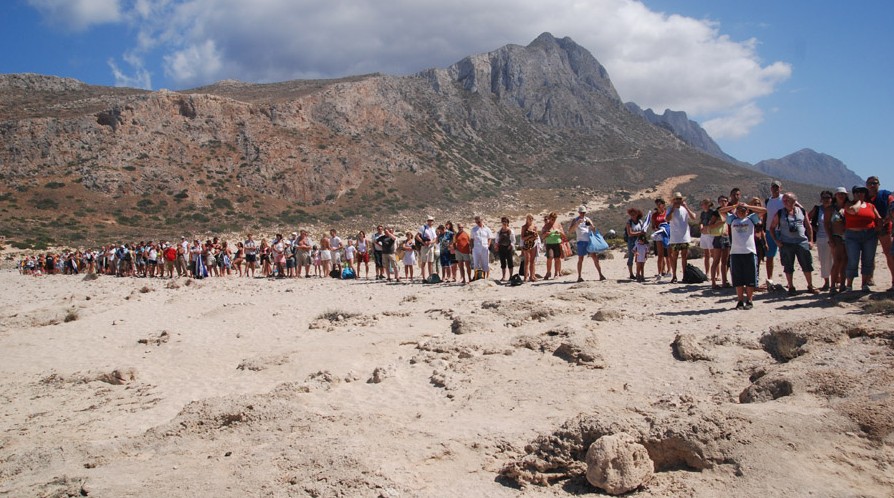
(336, 247)
(773, 204)
(744, 267)
(678, 216)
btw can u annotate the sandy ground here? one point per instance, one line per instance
(318, 387)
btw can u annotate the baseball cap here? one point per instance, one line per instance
(776, 183)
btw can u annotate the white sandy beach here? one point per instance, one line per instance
(321, 387)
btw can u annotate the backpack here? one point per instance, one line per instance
(478, 275)
(504, 238)
(434, 278)
(693, 275)
(334, 274)
(348, 274)
(515, 280)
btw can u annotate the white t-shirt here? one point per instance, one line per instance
(742, 233)
(250, 246)
(583, 230)
(481, 236)
(774, 204)
(349, 253)
(334, 243)
(428, 233)
(679, 226)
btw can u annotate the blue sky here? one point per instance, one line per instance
(765, 78)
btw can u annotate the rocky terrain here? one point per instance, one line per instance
(537, 127)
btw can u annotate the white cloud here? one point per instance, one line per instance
(78, 15)
(655, 59)
(140, 78)
(196, 63)
(735, 124)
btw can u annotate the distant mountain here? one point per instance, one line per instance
(687, 130)
(809, 166)
(804, 166)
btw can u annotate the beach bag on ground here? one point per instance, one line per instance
(515, 280)
(348, 274)
(478, 275)
(597, 243)
(434, 278)
(334, 274)
(693, 275)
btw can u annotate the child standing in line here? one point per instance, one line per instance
(642, 253)
(409, 256)
(318, 261)
(349, 254)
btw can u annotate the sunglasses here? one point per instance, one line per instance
(871, 183)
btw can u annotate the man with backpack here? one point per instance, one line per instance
(773, 205)
(791, 231)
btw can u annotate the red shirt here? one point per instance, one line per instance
(462, 242)
(863, 220)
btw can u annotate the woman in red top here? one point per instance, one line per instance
(861, 220)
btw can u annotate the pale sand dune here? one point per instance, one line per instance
(242, 387)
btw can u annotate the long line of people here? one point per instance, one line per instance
(846, 232)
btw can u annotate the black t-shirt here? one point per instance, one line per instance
(387, 244)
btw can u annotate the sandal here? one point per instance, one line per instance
(813, 290)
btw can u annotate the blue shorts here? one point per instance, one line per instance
(445, 260)
(582, 247)
(771, 248)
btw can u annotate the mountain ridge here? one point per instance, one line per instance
(508, 130)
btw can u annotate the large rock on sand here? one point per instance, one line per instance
(618, 464)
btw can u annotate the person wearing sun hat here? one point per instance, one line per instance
(582, 227)
(744, 264)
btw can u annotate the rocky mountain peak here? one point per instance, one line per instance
(687, 130)
(555, 81)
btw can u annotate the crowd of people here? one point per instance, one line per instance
(735, 236)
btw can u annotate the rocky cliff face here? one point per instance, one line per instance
(539, 118)
(678, 123)
(809, 166)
